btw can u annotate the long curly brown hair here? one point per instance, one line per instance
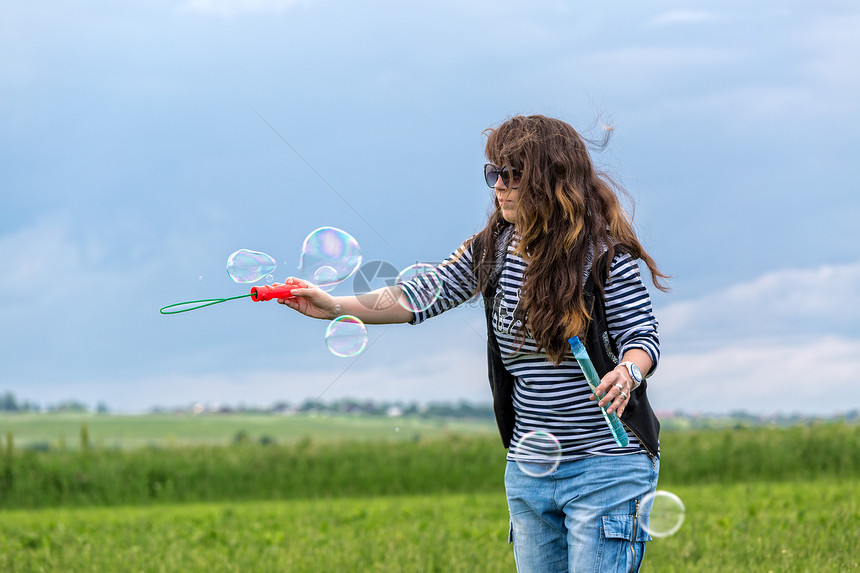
(564, 205)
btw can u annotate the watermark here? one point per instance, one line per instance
(369, 279)
(372, 281)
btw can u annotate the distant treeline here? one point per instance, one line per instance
(462, 409)
(9, 403)
(458, 410)
(350, 406)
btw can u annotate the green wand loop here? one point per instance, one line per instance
(186, 306)
(258, 293)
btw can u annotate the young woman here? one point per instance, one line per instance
(557, 258)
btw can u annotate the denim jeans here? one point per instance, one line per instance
(581, 517)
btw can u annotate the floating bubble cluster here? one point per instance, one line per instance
(426, 277)
(329, 257)
(246, 266)
(661, 513)
(537, 453)
(346, 336)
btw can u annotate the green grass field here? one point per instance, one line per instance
(757, 500)
(779, 527)
(62, 431)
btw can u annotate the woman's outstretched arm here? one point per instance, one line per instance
(381, 306)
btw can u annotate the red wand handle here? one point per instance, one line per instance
(268, 292)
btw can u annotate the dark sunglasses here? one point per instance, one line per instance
(510, 177)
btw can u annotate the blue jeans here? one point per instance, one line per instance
(581, 517)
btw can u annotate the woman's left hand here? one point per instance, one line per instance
(615, 390)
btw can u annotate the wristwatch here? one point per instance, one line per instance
(635, 373)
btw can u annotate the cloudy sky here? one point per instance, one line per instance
(143, 142)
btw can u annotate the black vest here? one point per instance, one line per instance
(638, 417)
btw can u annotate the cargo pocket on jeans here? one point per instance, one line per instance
(624, 529)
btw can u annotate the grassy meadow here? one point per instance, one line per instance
(389, 495)
(63, 431)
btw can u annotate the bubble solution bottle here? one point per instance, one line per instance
(581, 355)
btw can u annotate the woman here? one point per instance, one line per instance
(556, 259)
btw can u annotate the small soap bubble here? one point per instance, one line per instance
(270, 279)
(429, 284)
(246, 266)
(332, 248)
(326, 276)
(200, 278)
(346, 336)
(537, 453)
(661, 513)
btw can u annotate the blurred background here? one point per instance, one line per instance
(143, 142)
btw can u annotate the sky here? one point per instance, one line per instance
(141, 143)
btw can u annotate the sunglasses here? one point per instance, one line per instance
(510, 177)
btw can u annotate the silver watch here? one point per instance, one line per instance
(635, 373)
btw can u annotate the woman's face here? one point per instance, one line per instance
(507, 199)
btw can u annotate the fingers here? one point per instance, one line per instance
(309, 299)
(614, 392)
(290, 302)
(619, 403)
(303, 289)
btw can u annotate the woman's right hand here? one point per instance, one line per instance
(310, 300)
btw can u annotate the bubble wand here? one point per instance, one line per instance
(581, 355)
(258, 293)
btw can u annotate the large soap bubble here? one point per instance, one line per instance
(346, 336)
(428, 283)
(329, 257)
(537, 453)
(661, 513)
(246, 266)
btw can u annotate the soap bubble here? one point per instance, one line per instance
(346, 336)
(326, 276)
(429, 284)
(537, 453)
(246, 266)
(332, 248)
(661, 513)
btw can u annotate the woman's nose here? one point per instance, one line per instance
(499, 185)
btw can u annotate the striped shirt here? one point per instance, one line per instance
(548, 398)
